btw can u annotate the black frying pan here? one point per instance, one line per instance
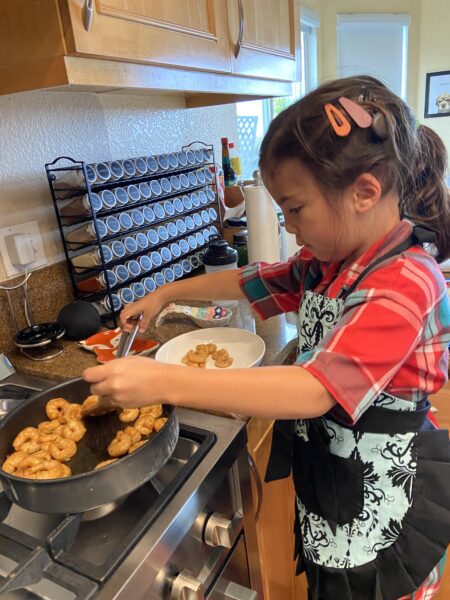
(86, 489)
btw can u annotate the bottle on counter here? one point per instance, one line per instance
(235, 160)
(240, 240)
(233, 225)
(228, 172)
(217, 257)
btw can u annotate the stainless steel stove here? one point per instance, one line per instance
(187, 534)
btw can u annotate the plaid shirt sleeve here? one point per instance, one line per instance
(398, 313)
(277, 288)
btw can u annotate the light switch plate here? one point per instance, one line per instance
(31, 229)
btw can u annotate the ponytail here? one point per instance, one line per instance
(425, 198)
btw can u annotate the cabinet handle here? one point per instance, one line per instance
(88, 13)
(238, 45)
(259, 488)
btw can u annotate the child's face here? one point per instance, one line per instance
(328, 234)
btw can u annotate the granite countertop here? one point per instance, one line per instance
(276, 332)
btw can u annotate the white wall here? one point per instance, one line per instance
(428, 44)
(36, 127)
(434, 56)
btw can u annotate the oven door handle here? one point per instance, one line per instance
(258, 483)
(228, 590)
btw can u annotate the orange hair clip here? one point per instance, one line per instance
(338, 120)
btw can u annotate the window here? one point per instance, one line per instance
(374, 44)
(255, 116)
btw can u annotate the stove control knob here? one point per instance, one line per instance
(220, 531)
(187, 587)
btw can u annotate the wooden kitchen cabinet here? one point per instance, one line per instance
(274, 529)
(188, 33)
(151, 46)
(441, 402)
(270, 38)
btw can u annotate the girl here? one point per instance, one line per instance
(362, 189)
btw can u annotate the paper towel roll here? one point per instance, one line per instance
(262, 225)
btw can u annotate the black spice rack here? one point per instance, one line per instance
(129, 226)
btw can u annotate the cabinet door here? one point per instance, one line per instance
(274, 532)
(182, 33)
(269, 45)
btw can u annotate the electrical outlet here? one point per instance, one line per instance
(31, 237)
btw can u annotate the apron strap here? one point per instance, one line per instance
(420, 235)
(280, 459)
(384, 420)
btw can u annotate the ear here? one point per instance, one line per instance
(366, 192)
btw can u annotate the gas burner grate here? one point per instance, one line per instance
(92, 549)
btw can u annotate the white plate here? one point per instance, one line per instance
(246, 348)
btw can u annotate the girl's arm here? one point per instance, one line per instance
(223, 285)
(272, 392)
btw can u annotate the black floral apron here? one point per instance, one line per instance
(373, 499)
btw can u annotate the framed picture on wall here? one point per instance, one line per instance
(437, 95)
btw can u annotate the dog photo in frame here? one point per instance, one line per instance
(437, 94)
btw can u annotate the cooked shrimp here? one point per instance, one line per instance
(63, 449)
(48, 437)
(42, 455)
(72, 412)
(74, 430)
(28, 436)
(137, 445)
(133, 433)
(49, 426)
(105, 463)
(89, 402)
(50, 469)
(155, 410)
(120, 444)
(66, 471)
(145, 424)
(11, 463)
(29, 462)
(159, 423)
(55, 408)
(128, 414)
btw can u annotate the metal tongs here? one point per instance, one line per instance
(99, 405)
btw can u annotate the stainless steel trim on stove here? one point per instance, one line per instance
(148, 570)
(233, 591)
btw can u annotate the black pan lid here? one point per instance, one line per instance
(38, 335)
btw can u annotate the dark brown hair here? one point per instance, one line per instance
(410, 159)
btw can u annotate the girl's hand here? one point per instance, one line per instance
(148, 307)
(132, 382)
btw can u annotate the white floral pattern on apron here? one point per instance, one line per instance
(389, 465)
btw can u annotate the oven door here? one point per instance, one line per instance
(233, 582)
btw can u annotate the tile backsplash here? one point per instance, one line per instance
(36, 127)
